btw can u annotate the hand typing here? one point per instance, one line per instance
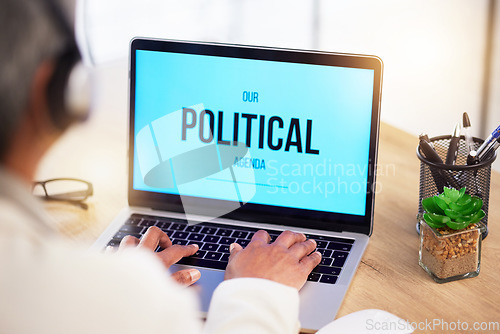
(288, 260)
(170, 254)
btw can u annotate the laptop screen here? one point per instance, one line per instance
(228, 129)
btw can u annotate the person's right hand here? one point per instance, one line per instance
(288, 260)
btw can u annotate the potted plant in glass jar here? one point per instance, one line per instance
(450, 235)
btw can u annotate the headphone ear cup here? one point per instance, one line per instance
(68, 91)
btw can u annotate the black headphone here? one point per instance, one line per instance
(68, 91)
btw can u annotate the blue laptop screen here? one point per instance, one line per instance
(253, 131)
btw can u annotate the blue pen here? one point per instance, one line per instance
(484, 148)
(492, 148)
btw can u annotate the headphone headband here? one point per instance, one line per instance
(59, 18)
(68, 91)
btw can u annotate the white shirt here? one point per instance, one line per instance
(49, 286)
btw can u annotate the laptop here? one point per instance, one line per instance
(225, 140)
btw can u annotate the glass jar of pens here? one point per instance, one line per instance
(456, 162)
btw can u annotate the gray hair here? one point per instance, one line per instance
(28, 37)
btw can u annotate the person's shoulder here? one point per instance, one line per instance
(14, 220)
(57, 282)
(9, 211)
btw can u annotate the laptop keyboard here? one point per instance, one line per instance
(214, 240)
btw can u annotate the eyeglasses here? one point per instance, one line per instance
(64, 189)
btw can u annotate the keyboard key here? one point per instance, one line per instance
(209, 230)
(168, 232)
(313, 277)
(210, 247)
(193, 228)
(199, 254)
(114, 243)
(330, 279)
(179, 242)
(339, 258)
(131, 229)
(224, 232)
(178, 227)
(121, 235)
(180, 235)
(334, 239)
(133, 221)
(227, 241)
(240, 234)
(321, 244)
(163, 225)
(224, 258)
(339, 246)
(148, 223)
(211, 238)
(196, 237)
(213, 256)
(243, 242)
(326, 261)
(203, 263)
(326, 252)
(223, 249)
(171, 220)
(327, 270)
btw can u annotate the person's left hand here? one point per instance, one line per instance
(169, 255)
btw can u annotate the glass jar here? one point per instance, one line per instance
(449, 255)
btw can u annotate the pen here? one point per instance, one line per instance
(431, 155)
(424, 136)
(441, 178)
(492, 148)
(429, 152)
(451, 156)
(468, 137)
(472, 158)
(484, 148)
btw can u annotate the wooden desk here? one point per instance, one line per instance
(389, 276)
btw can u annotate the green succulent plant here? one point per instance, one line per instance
(453, 208)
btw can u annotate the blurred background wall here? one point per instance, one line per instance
(435, 53)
